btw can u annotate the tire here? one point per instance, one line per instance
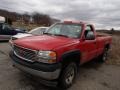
(104, 56)
(68, 76)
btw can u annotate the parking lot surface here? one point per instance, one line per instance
(91, 76)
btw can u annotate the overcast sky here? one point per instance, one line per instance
(102, 13)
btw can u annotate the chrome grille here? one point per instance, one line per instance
(24, 53)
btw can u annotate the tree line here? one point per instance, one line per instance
(35, 18)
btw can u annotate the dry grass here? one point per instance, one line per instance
(26, 26)
(114, 56)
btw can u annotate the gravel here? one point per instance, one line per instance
(91, 76)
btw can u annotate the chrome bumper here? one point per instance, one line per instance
(45, 75)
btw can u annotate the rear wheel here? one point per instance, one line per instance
(104, 56)
(68, 75)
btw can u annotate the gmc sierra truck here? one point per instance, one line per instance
(55, 56)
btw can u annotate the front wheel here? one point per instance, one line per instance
(68, 75)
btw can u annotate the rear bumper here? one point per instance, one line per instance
(44, 71)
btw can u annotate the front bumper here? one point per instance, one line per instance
(44, 71)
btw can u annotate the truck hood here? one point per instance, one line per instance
(43, 42)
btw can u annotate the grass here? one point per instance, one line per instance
(114, 56)
(25, 26)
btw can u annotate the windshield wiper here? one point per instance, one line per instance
(56, 34)
(60, 35)
(48, 33)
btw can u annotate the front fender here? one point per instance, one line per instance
(71, 56)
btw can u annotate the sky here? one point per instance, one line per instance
(101, 13)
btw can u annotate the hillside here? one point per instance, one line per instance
(35, 18)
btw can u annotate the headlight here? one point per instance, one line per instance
(47, 56)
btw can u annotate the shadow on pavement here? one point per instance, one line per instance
(4, 41)
(36, 85)
(93, 64)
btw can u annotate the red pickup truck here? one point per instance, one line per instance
(55, 56)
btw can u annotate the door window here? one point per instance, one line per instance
(89, 31)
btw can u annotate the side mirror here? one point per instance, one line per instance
(90, 36)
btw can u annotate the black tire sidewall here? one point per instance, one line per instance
(62, 82)
(102, 56)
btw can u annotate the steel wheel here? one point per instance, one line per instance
(68, 75)
(105, 54)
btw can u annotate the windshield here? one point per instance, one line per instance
(0, 26)
(6, 26)
(37, 31)
(68, 30)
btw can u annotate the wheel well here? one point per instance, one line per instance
(71, 57)
(107, 46)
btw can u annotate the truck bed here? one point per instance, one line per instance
(103, 36)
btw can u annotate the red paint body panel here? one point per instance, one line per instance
(43, 42)
(88, 48)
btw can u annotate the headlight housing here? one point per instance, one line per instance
(47, 56)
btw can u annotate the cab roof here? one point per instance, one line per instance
(73, 22)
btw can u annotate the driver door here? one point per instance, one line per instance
(89, 45)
